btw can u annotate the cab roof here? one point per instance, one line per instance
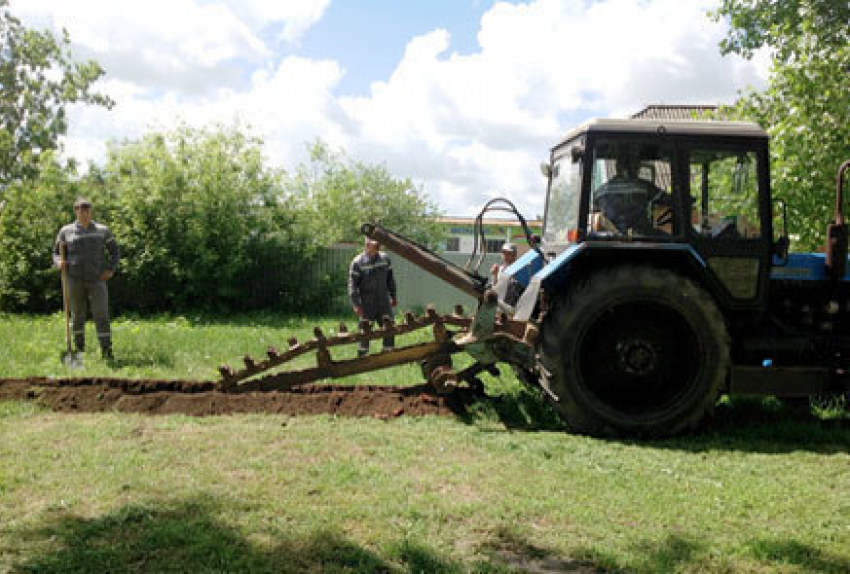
(671, 127)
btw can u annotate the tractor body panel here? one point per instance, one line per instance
(804, 267)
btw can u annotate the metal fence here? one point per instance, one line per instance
(416, 288)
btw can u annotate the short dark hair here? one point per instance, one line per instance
(82, 202)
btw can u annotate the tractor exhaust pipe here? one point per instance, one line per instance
(456, 276)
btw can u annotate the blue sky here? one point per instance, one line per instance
(465, 97)
(368, 37)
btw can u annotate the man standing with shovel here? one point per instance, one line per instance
(79, 252)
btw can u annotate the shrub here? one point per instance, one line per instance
(203, 223)
(30, 217)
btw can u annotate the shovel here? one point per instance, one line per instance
(69, 357)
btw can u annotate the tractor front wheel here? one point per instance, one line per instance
(635, 351)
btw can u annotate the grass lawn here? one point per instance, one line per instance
(763, 488)
(182, 347)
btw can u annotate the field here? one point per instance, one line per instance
(493, 485)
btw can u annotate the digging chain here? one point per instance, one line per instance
(435, 354)
(238, 381)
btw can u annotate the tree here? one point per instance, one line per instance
(34, 211)
(786, 27)
(806, 106)
(342, 194)
(203, 223)
(38, 80)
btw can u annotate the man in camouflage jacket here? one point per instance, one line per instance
(86, 244)
(372, 289)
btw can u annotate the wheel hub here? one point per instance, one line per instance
(636, 357)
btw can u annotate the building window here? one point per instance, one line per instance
(494, 245)
(453, 244)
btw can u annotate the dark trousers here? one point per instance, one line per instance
(85, 295)
(389, 340)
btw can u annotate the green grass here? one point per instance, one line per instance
(182, 347)
(764, 488)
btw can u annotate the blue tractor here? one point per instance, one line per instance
(662, 280)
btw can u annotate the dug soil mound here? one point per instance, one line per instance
(200, 398)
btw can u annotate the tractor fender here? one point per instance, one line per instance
(524, 268)
(582, 258)
(559, 267)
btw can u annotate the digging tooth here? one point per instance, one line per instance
(272, 353)
(531, 334)
(225, 371)
(249, 362)
(431, 313)
(409, 318)
(365, 326)
(343, 329)
(440, 333)
(319, 334)
(292, 342)
(323, 357)
(459, 310)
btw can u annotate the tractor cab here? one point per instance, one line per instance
(694, 190)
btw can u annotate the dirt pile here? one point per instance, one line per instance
(200, 398)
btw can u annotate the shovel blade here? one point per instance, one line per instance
(72, 360)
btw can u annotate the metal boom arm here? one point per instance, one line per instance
(456, 276)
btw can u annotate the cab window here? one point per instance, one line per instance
(631, 190)
(724, 194)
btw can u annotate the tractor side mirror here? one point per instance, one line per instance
(780, 250)
(782, 244)
(577, 153)
(546, 169)
(741, 175)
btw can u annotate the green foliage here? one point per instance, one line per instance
(806, 107)
(203, 223)
(342, 194)
(784, 26)
(32, 214)
(33, 97)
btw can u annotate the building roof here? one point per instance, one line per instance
(675, 112)
(487, 221)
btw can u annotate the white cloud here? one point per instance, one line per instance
(492, 115)
(465, 126)
(289, 106)
(190, 46)
(297, 16)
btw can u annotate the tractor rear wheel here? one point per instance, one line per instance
(635, 351)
